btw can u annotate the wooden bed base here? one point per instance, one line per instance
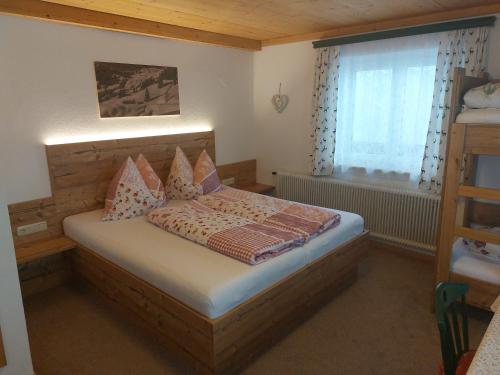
(230, 342)
(481, 294)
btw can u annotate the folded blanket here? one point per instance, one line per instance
(227, 234)
(306, 220)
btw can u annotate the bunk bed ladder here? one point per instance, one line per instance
(458, 191)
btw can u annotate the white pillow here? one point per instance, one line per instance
(483, 249)
(486, 96)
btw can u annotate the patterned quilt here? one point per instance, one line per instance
(303, 219)
(227, 234)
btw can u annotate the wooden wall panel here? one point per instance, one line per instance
(32, 212)
(244, 172)
(80, 174)
(484, 213)
(43, 274)
(107, 21)
(3, 359)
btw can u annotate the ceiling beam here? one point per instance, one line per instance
(100, 20)
(388, 24)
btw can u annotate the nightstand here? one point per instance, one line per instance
(258, 188)
(43, 248)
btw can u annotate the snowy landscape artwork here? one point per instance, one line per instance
(128, 90)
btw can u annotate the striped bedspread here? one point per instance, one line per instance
(303, 219)
(231, 235)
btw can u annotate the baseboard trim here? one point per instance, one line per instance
(381, 245)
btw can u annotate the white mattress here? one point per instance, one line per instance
(468, 264)
(479, 116)
(205, 280)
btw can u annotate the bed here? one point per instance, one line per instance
(479, 116)
(473, 132)
(204, 280)
(468, 265)
(230, 312)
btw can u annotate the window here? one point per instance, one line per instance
(384, 106)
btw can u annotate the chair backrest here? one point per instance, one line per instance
(450, 304)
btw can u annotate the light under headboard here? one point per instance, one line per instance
(80, 174)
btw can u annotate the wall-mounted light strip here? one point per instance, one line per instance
(77, 138)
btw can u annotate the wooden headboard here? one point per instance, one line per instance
(80, 174)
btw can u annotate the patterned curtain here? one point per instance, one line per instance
(324, 110)
(459, 48)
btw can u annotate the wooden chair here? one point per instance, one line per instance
(450, 304)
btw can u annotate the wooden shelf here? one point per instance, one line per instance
(257, 188)
(40, 249)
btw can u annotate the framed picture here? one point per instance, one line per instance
(129, 90)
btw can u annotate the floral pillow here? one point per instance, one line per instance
(128, 195)
(180, 181)
(483, 249)
(152, 181)
(205, 174)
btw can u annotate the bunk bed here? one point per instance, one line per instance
(465, 206)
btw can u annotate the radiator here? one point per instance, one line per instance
(404, 217)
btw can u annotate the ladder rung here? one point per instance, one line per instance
(478, 192)
(478, 235)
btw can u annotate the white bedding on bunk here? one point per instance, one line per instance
(468, 264)
(208, 282)
(479, 116)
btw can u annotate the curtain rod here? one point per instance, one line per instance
(407, 31)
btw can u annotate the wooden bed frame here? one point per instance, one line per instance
(458, 210)
(80, 174)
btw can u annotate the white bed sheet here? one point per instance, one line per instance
(205, 280)
(467, 264)
(479, 116)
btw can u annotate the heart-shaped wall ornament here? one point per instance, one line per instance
(280, 101)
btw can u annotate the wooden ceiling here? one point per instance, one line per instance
(251, 23)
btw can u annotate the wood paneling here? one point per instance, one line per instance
(90, 18)
(478, 235)
(484, 213)
(34, 211)
(43, 274)
(3, 359)
(245, 23)
(40, 249)
(273, 19)
(449, 200)
(244, 172)
(457, 207)
(481, 293)
(388, 23)
(228, 343)
(250, 328)
(80, 174)
(482, 139)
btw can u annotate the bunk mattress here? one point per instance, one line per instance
(204, 280)
(479, 116)
(465, 263)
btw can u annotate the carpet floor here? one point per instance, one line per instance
(380, 325)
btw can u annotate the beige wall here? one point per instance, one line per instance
(49, 93)
(283, 139)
